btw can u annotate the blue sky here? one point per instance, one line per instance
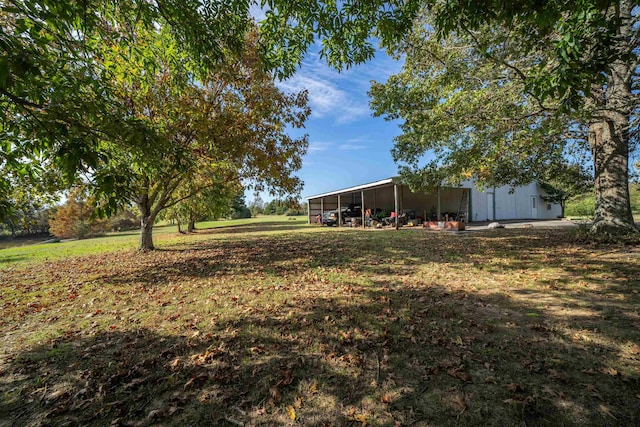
(347, 145)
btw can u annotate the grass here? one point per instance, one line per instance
(162, 234)
(583, 205)
(279, 323)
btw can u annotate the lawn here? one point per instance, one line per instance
(26, 250)
(280, 323)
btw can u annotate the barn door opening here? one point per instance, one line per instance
(534, 207)
(490, 206)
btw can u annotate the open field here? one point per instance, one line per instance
(30, 250)
(279, 323)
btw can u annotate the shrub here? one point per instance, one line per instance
(125, 220)
(241, 213)
(582, 205)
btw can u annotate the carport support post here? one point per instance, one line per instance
(362, 207)
(395, 200)
(339, 212)
(438, 212)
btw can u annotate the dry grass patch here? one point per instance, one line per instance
(311, 326)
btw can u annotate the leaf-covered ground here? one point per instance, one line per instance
(296, 325)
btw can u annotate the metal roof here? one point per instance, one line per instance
(370, 185)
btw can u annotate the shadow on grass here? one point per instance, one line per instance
(255, 227)
(383, 346)
(11, 258)
(604, 281)
(379, 356)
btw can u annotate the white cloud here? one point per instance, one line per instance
(326, 99)
(352, 147)
(358, 139)
(341, 96)
(318, 146)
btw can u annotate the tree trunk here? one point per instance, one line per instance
(177, 221)
(192, 225)
(609, 139)
(609, 142)
(146, 227)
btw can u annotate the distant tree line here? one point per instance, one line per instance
(277, 207)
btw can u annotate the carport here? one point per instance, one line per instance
(392, 196)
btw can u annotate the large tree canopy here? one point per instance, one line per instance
(57, 97)
(503, 94)
(193, 130)
(469, 110)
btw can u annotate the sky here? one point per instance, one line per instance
(347, 145)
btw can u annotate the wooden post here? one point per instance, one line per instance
(362, 206)
(395, 198)
(339, 212)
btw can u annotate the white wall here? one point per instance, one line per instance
(511, 203)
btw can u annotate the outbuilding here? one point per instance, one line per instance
(465, 203)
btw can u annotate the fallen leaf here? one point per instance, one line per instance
(56, 395)
(606, 411)
(275, 394)
(195, 380)
(175, 363)
(558, 376)
(593, 391)
(460, 374)
(362, 418)
(459, 402)
(291, 412)
(287, 378)
(490, 380)
(515, 388)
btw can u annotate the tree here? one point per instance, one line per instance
(238, 207)
(76, 217)
(193, 126)
(27, 205)
(257, 206)
(57, 96)
(566, 181)
(275, 207)
(210, 202)
(455, 101)
(557, 68)
(57, 99)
